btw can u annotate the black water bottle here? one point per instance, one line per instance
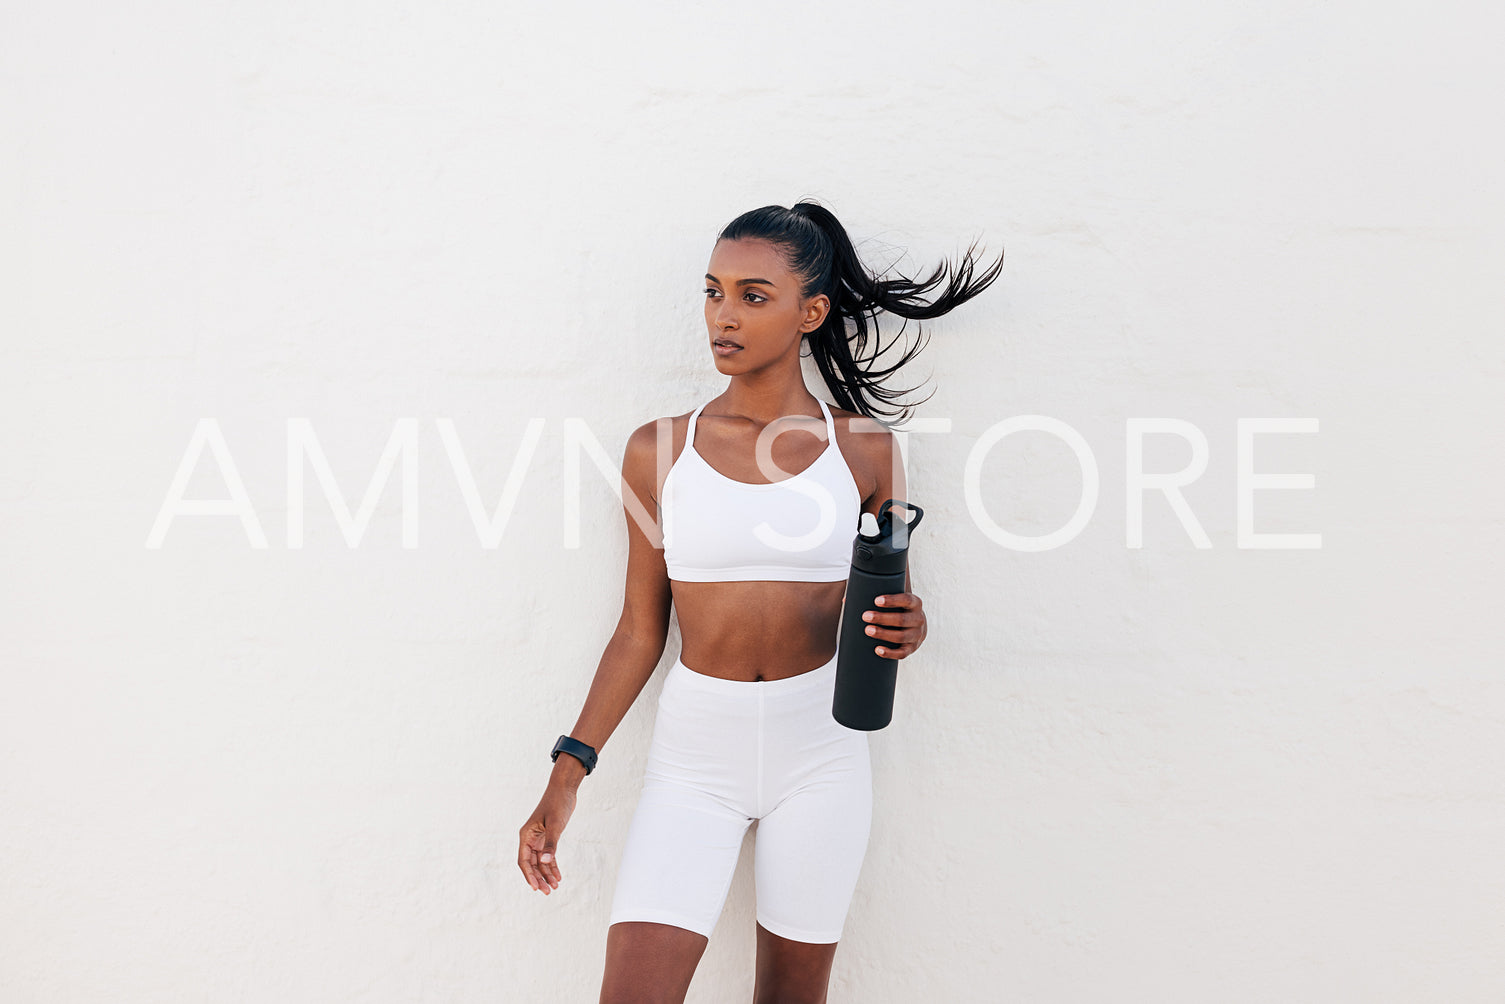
(864, 696)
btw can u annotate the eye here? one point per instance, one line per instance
(760, 297)
(710, 292)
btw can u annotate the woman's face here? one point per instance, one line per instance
(753, 301)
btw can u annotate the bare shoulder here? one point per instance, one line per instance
(870, 449)
(867, 437)
(647, 434)
(642, 463)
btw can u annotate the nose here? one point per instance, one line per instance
(725, 314)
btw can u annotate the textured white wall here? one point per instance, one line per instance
(1164, 773)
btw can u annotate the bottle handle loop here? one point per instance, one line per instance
(910, 524)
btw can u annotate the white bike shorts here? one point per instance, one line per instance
(725, 753)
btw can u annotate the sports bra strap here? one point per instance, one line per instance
(712, 521)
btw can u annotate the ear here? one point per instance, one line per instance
(815, 313)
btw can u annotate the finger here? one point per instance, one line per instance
(549, 859)
(893, 618)
(526, 866)
(891, 600)
(535, 842)
(899, 652)
(896, 635)
(522, 858)
(542, 883)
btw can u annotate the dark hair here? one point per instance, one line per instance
(817, 249)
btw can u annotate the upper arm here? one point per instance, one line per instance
(887, 466)
(646, 595)
(886, 463)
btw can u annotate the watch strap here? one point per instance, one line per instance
(577, 749)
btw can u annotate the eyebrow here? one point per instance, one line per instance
(740, 282)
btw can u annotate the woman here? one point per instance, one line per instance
(754, 558)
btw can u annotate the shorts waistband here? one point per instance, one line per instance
(821, 676)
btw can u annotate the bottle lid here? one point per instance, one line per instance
(882, 544)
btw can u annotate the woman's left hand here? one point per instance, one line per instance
(897, 624)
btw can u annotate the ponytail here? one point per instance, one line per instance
(818, 250)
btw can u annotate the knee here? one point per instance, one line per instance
(788, 995)
(641, 991)
(639, 995)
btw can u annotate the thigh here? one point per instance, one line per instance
(677, 864)
(649, 963)
(789, 971)
(811, 845)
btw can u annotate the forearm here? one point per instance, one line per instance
(625, 667)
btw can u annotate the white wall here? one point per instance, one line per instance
(1114, 774)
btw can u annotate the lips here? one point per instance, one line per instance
(729, 344)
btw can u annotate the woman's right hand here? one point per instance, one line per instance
(539, 836)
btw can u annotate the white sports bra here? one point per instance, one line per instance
(801, 529)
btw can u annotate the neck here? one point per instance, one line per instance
(762, 405)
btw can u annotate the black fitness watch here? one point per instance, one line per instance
(577, 749)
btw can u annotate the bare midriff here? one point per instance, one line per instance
(757, 630)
